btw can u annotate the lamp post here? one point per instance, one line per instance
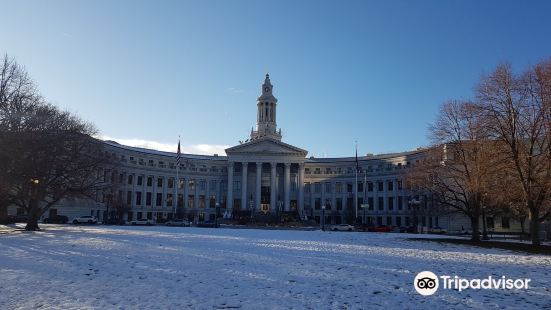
(414, 204)
(323, 218)
(251, 206)
(279, 209)
(217, 210)
(109, 197)
(484, 229)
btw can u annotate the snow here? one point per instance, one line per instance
(90, 267)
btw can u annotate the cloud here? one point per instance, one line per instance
(200, 149)
(235, 90)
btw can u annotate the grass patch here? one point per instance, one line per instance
(513, 246)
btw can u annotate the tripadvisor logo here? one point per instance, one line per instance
(426, 283)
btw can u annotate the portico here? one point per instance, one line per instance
(265, 166)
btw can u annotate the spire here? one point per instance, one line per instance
(266, 112)
(267, 86)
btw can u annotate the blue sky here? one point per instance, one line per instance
(373, 71)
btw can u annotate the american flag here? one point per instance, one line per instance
(178, 156)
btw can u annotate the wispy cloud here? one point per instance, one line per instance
(200, 149)
(235, 90)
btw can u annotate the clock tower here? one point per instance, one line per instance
(266, 105)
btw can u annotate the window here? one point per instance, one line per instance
(317, 203)
(317, 188)
(191, 185)
(149, 181)
(400, 202)
(349, 188)
(202, 185)
(380, 186)
(191, 201)
(213, 185)
(128, 197)
(391, 203)
(390, 185)
(505, 223)
(140, 180)
(159, 182)
(159, 199)
(338, 187)
(380, 203)
(236, 186)
(169, 200)
(148, 199)
(171, 183)
(389, 220)
(339, 204)
(328, 187)
(202, 201)
(130, 179)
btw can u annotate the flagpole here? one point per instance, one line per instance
(177, 178)
(356, 188)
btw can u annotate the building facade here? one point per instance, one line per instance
(264, 175)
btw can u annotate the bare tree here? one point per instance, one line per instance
(517, 109)
(48, 154)
(459, 167)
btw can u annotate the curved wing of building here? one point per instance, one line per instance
(262, 176)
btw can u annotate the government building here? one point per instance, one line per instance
(262, 177)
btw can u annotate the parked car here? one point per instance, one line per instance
(381, 228)
(437, 230)
(88, 219)
(342, 227)
(56, 219)
(407, 229)
(178, 222)
(18, 218)
(147, 222)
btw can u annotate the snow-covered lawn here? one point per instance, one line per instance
(67, 266)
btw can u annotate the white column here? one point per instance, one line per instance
(287, 186)
(229, 202)
(273, 179)
(300, 189)
(258, 185)
(244, 186)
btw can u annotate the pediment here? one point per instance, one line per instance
(266, 146)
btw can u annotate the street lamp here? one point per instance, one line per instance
(251, 205)
(484, 229)
(109, 197)
(217, 210)
(414, 204)
(279, 209)
(364, 206)
(323, 218)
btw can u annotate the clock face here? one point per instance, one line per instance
(267, 89)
